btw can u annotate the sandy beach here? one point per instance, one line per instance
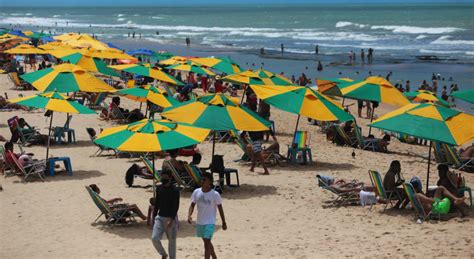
(284, 215)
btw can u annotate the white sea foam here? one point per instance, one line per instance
(157, 17)
(120, 15)
(335, 36)
(33, 21)
(345, 24)
(56, 16)
(189, 33)
(440, 51)
(419, 37)
(120, 19)
(446, 40)
(469, 53)
(416, 29)
(28, 14)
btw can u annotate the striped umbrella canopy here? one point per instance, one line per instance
(150, 135)
(425, 96)
(90, 64)
(174, 60)
(466, 95)
(52, 101)
(329, 85)
(225, 65)
(147, 70)
(148, 93)
(66, 78)
(162, 55)
(39, 35)
(192, 67)
(25, 49)
(373, 88)
(302, 101)
(259, 77)
(429, 121)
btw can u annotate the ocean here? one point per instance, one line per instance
(394, 31)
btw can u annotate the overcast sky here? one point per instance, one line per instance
(138, 3)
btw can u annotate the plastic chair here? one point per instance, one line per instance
(299, 146)
(59, 132)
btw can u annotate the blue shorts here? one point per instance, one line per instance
(205, 231)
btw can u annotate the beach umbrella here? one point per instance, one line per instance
(328, 86)
(225, 65)
(162, 55)
(302, 101)
(174, 60)
(258, 77)
(425, 96)
(25, 49)
(40, 35)
(216, 112)
(90, 64)
(148, 93)
(191, 67)
(429, 121)
(466, 95)
(66, 78)
(145, 52)
(54, 102)
(147, 70)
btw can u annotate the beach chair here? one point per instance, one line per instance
(365, 143)
(36, 168)
(7, 168)
(453, 159)
(26, 138)
(342, 198)
(439, 153)
(170, 90)
(149, 165)
(178, 178)
(19, 84)
(300, 145)
(352, 142)
(194, 173)
(420, 212)
(246, 157)
(60, 132)
(96, 101)
(92, 135)
(119, 214)
(217, 166)
(376, 180)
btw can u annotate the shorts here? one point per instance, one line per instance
(205, 231)
(257, 146)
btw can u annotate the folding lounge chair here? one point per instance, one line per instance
(439, 153)
(365, 143)
(194, 174)
(25, 138)
(420, 212)
(453, 159)
(96, 101)
(149, 165)
(19, 84)
(8, 169)
(117, 115)
(237, 140)
(92, 135)
(36, 168)
(186, 183)
(352, 142)
(300, 145)
(342, 198)
(119, 214)
(376, 180)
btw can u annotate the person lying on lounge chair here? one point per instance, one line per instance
(448, 180)
(344, 185)
(5, 104)
(177, 164)
(113, 203)
(381, 144)
(441, 202)
(24, 159)
(467, 154)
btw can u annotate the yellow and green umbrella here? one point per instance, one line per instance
(302, 101)
(25, 49)
(174, 61)
(329, 85)
(192, 67)
(225, 65)
(466, 95)
(147, 70)
(66, 78)
(150, 135)
(90, 64)
(55, 102)
(425, 96)
(259, 77)
(216, 112)
(429, 121)
(373, 88)
(148, 93)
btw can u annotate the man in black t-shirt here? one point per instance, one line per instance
(166, 205)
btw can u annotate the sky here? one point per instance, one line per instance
(138, 3)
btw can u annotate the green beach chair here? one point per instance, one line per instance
(149, 165)
(119, 214)
(365, 144)
(246, 157)
(420, 212)
(439, 153)
(376, 180)
(453, 158)
(352, 142)
(194, 173)
(342, 198)
(178, 179)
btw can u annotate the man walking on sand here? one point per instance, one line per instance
(166, 204)
(207, 200)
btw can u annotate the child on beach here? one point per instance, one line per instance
(207, 200)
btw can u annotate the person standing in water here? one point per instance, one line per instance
(282, 48)
(188, 42)
(362, 56)
(316, 49)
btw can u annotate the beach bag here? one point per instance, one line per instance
(441, 206)
(367, 198)
(131, 172)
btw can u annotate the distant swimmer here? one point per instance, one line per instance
(320, 66)
(316, 49)
(140, 35)
(362, 55)
(67, 23)
(157, 33)
(188, 42)
(282, 48)
(262, 51)
(133, 35)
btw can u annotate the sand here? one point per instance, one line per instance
(284, 215)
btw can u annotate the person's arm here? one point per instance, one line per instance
(156, 206)
(114, 200)
(221, 212)
(399, 180)
(190, 212)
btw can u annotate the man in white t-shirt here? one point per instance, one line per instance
(207, 201)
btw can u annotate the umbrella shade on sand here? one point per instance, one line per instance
(148, 93)
(429, 121)
(225, 65)
(25, 49)
(55, 102)
(259, 77)
(190, 67)
(146, 70)
(302, 101)
(425, 96)
(66, 78)
(90, 64)
(466, 95)
(216, 112)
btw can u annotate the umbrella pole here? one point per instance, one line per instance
(343, 99)
(49, 135)
(371, 119)
(428, 171)
(213, 142)
(243, 94)
(154, 179)
(296, 128)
